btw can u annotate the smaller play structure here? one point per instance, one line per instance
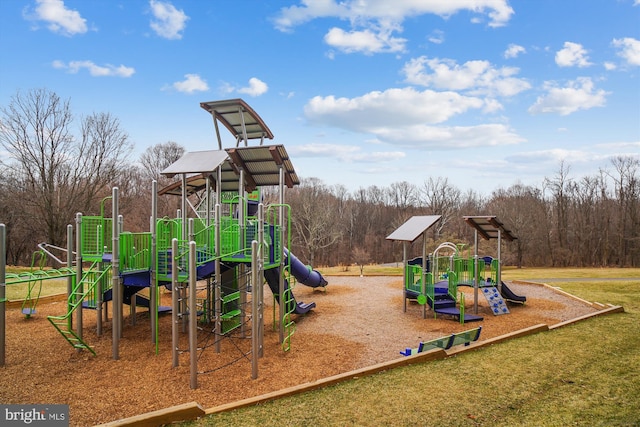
(433, 279)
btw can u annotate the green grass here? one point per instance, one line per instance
(513, 273)
(585, 374)
(19, 291)
(369, 270)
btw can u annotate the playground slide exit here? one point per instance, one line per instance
(303, 274)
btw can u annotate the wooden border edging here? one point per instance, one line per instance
(610, 310)
(184, 412)
(555, 289)
(426, 356)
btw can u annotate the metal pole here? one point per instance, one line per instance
(242, 280)
(183, 211)
(153, 285)
(208, 298)
(499, 272)
(174, 301)
(258, 282)
(424, 273)
(193, 313)
(282, 243)
(218, 285)
(476, 273)
(3, 295)
(77, 295)
(255, 318)
(404, 276)
(115, 280)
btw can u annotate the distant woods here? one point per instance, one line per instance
(582, 222)
(53, 165)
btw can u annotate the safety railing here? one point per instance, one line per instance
(135, 251)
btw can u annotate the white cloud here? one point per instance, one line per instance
(345, 153)
(59, 19)
(572, 55)
(475, 77)
(107, 70)
(192, 83)
(405, 117)
(366, 41)
(374, 22)
(436, 37)
(256, 87)
(550, 157)
(513, 50)
(450, 137)
(357, 11)
(579, 94)
(168, 21)
(629, 49)
(392, 108)
(633, 146)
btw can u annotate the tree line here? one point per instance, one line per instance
(53, 166)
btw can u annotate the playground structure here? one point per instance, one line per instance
(214, 257)
(433, 280)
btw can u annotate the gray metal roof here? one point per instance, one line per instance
(196, 162)
(238, 117)
(261, 165)
(488, 227)
(413, 228)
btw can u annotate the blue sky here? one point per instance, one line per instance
(485, 93)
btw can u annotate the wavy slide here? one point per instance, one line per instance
(302, 273)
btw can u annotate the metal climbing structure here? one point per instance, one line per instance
(214, 256)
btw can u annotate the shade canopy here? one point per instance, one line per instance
(413, 228)
(196, 162)
(489, 227)
(239, 118)
(260, 165)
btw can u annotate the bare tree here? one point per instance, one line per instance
(56, 173)
(558, 186)
(522, 209)
(361, 258)
(441, 198)
(153, 161)
(402, 195)
(313, 217)
(157, 158)
(627, 189)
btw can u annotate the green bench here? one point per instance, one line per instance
(445, 343)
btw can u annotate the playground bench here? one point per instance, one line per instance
(445, 343)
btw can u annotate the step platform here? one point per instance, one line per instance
(455, 311)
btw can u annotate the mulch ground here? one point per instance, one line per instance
(358, 322)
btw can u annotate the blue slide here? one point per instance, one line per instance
(510, 296)
(303, 274)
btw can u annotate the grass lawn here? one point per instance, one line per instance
(585, 374)
(19, 287)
